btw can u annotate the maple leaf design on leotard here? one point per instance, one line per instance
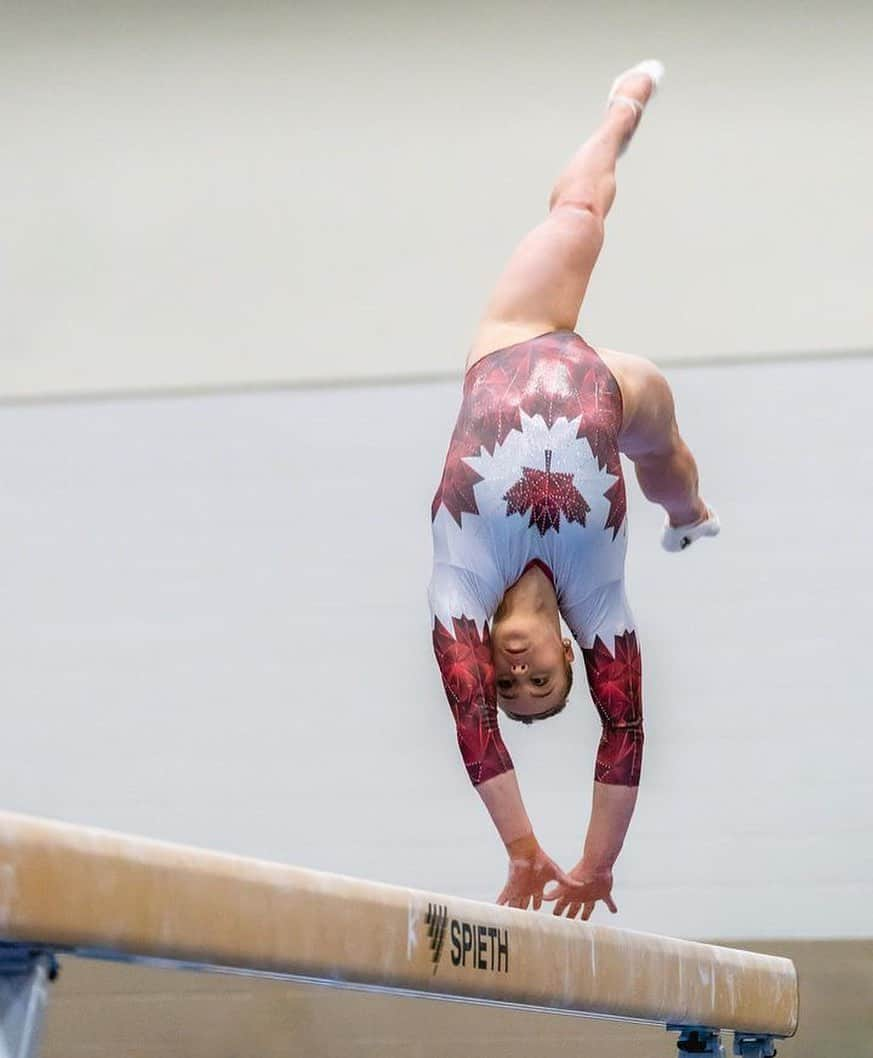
(617, 506)
(615, 679)
(597, 399)
(467, 669)
(456, 487)
(547, 495)
(490, 411)
(556, 375)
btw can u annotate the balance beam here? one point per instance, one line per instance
(74, 889)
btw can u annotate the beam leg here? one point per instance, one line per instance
(696, 1040)
(754, 1046)
(24, 978)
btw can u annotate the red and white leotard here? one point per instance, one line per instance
(533, 475)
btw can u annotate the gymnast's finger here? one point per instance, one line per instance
(567, 879)
(587, 909)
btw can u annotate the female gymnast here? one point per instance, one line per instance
(529, 521)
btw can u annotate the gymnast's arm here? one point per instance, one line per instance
(613, 669)
(611, 811)
(612, 808)
(467, 670)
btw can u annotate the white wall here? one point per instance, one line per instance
(213, 629)
(201, 194)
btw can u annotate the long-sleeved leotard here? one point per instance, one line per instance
(533, 476)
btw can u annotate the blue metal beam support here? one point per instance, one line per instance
(24, 978)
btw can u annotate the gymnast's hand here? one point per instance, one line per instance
(586, 888)
(530, 870)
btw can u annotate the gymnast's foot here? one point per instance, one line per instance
(679, 537)
(632, 89)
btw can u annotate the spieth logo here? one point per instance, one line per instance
(479, 947)
(436, 918)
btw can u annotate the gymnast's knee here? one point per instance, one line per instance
(585, 204)
(579, 221)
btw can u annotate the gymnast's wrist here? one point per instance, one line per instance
(524, 848)
(594, 866)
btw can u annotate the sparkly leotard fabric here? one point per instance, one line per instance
(533, 475)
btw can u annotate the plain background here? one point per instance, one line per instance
(218, 193)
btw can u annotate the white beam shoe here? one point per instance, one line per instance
(678, 537)
(651, 68)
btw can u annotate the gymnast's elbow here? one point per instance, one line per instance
(620, 753)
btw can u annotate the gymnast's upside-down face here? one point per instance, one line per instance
(531, 668)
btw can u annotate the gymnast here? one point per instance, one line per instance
(529, 522)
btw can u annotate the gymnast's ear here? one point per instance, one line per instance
(568, 650)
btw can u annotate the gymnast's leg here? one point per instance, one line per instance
(544, 282)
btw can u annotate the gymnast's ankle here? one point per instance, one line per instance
(689, 515)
